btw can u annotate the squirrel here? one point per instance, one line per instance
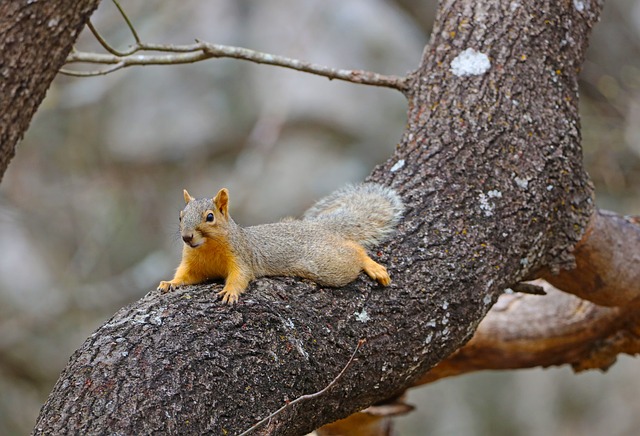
(327, 245)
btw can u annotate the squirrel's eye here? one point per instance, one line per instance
(210, 217)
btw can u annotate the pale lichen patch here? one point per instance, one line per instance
(470, 63)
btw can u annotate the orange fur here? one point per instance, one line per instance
(371, 267)
(211, 260)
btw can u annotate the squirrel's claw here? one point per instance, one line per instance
(229, 296)
(166, 287)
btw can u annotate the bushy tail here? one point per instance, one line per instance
(367, 213)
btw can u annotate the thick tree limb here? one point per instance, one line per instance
(491, 170)
(525, 331)
(35, 39)
(607, 263)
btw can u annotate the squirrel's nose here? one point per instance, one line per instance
(187, 238)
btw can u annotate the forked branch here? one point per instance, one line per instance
(168, 54)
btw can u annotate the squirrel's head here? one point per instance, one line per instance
(204, 219)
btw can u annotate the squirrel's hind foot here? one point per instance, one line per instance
(376, 271)
(371, 267)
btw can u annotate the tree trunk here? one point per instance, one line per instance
(490, 168)
(35, 39)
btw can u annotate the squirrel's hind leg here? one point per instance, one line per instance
(371, 267)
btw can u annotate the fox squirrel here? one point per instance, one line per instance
(327, 245)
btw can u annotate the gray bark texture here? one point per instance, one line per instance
(490, 169)
(35, 39)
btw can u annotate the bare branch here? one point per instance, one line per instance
(103, 72)
(103, 42)
(524, 331)
(354, 76)
(606, 270)
(184, 54)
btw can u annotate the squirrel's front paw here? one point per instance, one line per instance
(229, 296)
(166, 286)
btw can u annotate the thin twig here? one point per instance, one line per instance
(308, 396)
(108, 47)
(103, 72)
(126, 19)
(181, 54)
(103, 42)
(354, 76)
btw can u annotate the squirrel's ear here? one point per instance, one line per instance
(221, 200)
(187, 197)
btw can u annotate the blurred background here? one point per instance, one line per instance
(89, 206)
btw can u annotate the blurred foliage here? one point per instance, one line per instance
(88, 208)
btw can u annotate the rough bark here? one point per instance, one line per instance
(522, 331)
(491, 171)
(526, 331)
(35, 39)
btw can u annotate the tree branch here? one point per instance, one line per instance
(125, 17)
(525, 331)
(36, 39)
(607, 268)
(185, 54)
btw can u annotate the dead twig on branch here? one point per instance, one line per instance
(308, 396)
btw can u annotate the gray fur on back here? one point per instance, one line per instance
(301, 248)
